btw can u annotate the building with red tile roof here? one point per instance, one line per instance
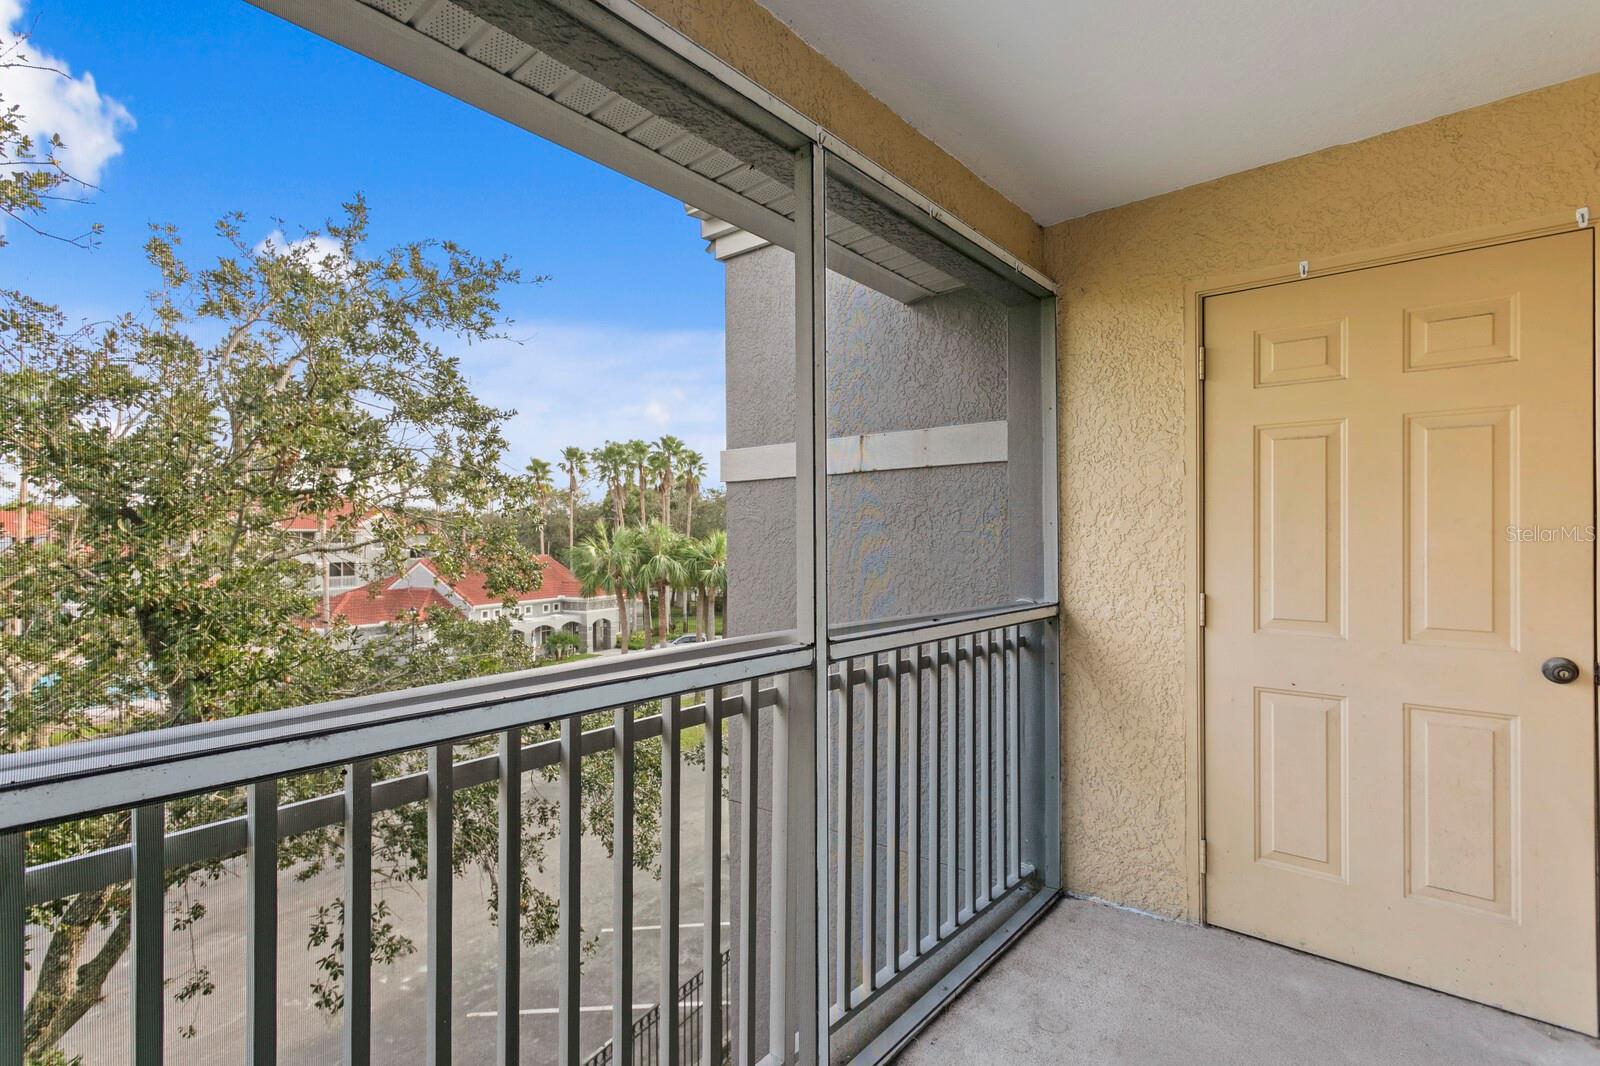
(39, 522)
(558, 604)
(375, 606)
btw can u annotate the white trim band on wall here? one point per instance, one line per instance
(909, 449)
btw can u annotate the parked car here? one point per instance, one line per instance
(687, 638)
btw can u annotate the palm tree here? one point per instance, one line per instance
(688, 551)
(607, 560)
(665, 457)
(574, 464)
(639, 462)
(661, 477)
(660, 568)
(660, 473)
(611, 463)
(711, 578)
(693, 469)
(543, 489)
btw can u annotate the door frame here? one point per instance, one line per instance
(1196, 291)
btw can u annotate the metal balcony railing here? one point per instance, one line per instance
(941, 778)
(916, 864)
(937, 813)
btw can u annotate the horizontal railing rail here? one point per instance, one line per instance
(853, 641)
(228, 837)
(90, 777)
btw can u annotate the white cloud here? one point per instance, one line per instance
(322, 251)
(54, 101)
(275, 243)
(585, 383)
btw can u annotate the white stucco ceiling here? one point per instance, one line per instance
(1070, 106)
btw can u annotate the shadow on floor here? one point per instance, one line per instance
(1094, 984)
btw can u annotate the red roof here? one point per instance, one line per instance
(473, 587)
(370, 605)
(385, 600)
(309, 521)
(11, 522)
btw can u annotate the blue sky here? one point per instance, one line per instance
(183, 111)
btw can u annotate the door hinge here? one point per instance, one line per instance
(1201, 608)
(1201, 367)
(1202, 857)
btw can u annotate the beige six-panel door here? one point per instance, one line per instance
(1398, 494)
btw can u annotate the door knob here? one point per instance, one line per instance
(1560, 670)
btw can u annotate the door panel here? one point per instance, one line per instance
(1399, 506)
(1300, 504)
(1461, 476)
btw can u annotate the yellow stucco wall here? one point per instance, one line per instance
(1124, 568)
(750, 39)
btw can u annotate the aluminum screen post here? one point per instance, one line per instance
(13, 934)
(261, 914)
(807, 759)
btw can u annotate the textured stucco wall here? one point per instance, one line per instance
(904, 542)
(1122, 384)
(751, 40)
(760, 406)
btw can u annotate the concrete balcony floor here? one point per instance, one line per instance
(1094, 984)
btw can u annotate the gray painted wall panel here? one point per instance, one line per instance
(904, 542)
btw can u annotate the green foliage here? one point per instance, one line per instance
(297, 381)
(168, 449)
(561, 644)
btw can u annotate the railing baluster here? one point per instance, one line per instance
(891, 816)
(13, 939)
(711, 1046)
(778, 1039)
(994, 804)
(950, 817)
(981, 745)
(968, 698)
(914, 852)
(358, 913)
(999, 759)
(509, 1037)
(749, 760)
(671, 790)
(568, 1048)
(145, 921)
(996, 792)
(805, 1004)
(441, 864)
(844, 806)
(869, 832)
(1014, 750)
(622, 887)
(261, 916)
